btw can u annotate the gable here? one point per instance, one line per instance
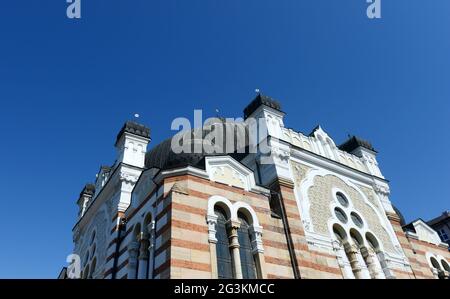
(426, 233)
(226, 170)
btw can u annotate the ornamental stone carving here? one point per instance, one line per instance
(300, 172)
(320, 196)
(128, 177)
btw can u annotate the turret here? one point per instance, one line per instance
(131, 144)
(85, 199)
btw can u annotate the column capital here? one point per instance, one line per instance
(234, 224)
(211, 220)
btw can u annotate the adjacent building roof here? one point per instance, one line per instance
(444, 217)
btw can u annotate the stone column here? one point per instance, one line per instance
(133, 251)
(369, 258)
(234, 246)
(258, 251)
(212, 222)
(385, 265)
(151, 248)
(352, 253)
(340, 253)
(143, 257)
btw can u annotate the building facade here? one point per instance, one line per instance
(441, 224)
(298, 206)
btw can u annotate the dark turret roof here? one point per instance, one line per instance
(134, 128)
(261, 100)
(354, 142)
(89, 189)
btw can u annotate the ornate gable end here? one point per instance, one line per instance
(426, 233)
(226, 170)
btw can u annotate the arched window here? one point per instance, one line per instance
(342, 199)
(437, 268)
(445, 266)
(93, 265)
(86, 272)
(147, 247)
(245, 249)
(435, 263)
(224, 262)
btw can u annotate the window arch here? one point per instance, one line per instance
(372, 241)
(224, 262)
(435, 263)
(445, 265)
(245, 248)
(133, 252)
(147, 247)
(93, 265)
(235, 238)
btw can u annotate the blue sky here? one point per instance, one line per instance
(67, 86)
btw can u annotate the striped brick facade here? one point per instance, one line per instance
(150, 220)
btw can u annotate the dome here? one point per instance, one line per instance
(400, 215)
(163, 157)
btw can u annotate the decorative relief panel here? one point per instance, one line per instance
(229, 176)
(320, 196)
(300, 172)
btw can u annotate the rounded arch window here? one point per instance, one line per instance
(245, 248)
(93, 265)
(445, 265)
(342, 199)
(339, 232)
(356, 237)
(86, 257)
(137, 232)
(435, 263)
(93, 250)
(223, 254)
(92, 238)
(340, 214)
(372, 241)
(356, 219)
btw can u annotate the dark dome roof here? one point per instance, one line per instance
(400, 215)
(163, 157)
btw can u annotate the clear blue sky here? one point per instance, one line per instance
(66, 87)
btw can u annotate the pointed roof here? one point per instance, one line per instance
(260, 100)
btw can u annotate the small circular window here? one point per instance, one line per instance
(342, 199)
(356, 219)
(340, 214)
